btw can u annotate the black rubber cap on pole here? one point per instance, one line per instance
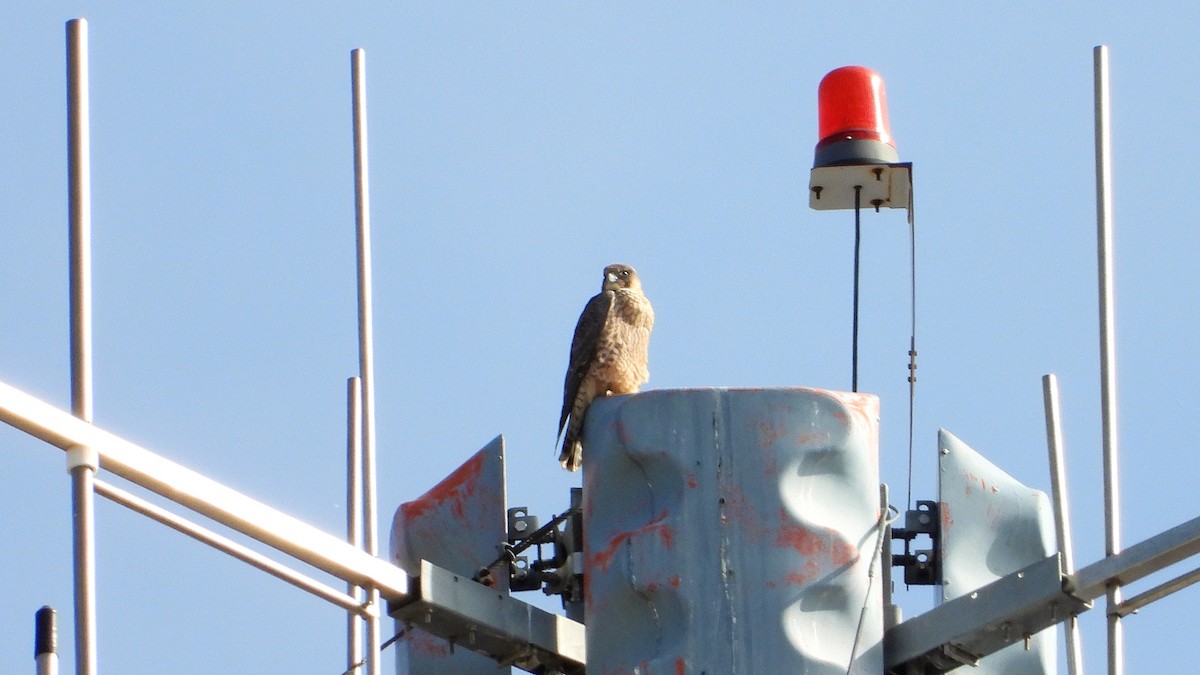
(46, 635)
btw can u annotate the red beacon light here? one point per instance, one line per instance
(852, 109)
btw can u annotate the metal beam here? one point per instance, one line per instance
(204, 495)
(1138, 561)
(972, 626)
(962, 631)
(486, 620)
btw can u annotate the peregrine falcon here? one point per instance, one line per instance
(609, 353)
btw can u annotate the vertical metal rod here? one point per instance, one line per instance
(45, 649)
(857, 249)
(354, 513)
(1062, 520)
(362, 212)
(1108, 365)
(81, 464)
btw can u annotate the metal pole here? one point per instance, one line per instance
(1108, 365)
(354, 513)
(226, 545)
(45, 649)
(362, 212)
(81, 462)
(1062, 520)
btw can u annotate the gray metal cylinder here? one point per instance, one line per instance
(732, 531)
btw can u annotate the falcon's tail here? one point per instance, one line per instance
(571, 457)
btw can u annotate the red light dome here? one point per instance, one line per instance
(852, 113)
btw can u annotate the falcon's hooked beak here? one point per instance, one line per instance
(612, 277)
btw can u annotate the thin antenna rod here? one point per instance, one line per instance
(354, 512)
(45, 649)
(1108, 350)
(362, 213)
(1062, 520)
(857, 249)
(81, 462)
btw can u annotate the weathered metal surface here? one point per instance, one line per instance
(474, 617)
(992, 526)
(458, 525)
(732, 531)
(982, 622)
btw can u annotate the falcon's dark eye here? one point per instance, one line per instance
(624, 273)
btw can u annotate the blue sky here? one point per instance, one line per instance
(517, 148)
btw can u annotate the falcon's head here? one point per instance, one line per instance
(618, 276)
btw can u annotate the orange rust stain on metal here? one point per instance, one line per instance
(812, 543)
(428, 645)
(680, 667)
(972, 478)
(457, 487)
(674, 581)
(799, 537)
(769, 432)
(947, 520)
(603, 558)
(692, 481)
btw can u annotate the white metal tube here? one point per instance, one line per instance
(204, 495)
(1159, 592)
(354, 513)
(80, 218)
(1108, 349)
(1062, 520)
(366, 356)
(226, 545)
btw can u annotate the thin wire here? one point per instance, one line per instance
(886, 517)
(387, 643)
(857, 250)
(912, 345)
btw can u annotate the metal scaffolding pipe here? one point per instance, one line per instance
(366, 350)
(1108, 349)
(354, 513)
(226, 545)
(80, 218)
(204, 495)
(1062, 520)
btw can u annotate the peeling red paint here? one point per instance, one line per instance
(972, 478)
(674, 581)
(692, 480)
(947, 519)
(811, 543)
(456, 488)
(603, 558)
(425, 644)
(769, 431)
(680, 667)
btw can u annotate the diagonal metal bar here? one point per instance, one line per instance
(1142, 559)
(226, 545)
(1158, 592)
(205, 496)
(972, 626)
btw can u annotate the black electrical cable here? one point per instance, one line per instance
(857, 250)
(912, 345)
